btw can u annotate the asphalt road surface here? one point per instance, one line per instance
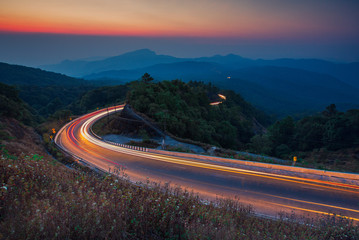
(268, 193)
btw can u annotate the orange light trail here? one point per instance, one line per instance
(215, 103)
(313, 203)
(182, 161)
(315, 211)
(74, 124)
(89, 119)
(222, 96)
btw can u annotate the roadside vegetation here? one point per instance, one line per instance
(327, 140)
(43, 199)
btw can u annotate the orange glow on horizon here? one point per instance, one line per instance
(54, 28)
(76, 29)
(158, 18)
(109, 27)
(140, 31)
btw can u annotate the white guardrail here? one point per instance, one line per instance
(143, 149)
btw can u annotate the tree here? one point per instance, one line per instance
(146, 78)
(330, 111)
(260, 144)
(282, 131)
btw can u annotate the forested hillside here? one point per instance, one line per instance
(12, 106)
(331, 136)
(184, 110)
(99, 97)
(45, 92)
(21, 75)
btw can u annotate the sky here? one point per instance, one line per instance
(47, 31)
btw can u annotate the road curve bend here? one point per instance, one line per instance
(268, 193)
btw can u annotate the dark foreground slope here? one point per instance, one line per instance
(43, 199)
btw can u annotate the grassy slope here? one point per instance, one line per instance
(42, 199)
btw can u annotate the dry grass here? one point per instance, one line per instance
(42, 199)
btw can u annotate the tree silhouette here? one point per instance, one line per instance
(146, 78)
(330, 111)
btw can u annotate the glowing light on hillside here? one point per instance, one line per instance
(219, 102)
(222, 96)
(215, 103)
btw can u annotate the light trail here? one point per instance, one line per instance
(94, 153)
(85, 132)
(78, 132)
(312, 203)
(315, 211)
(215, 103)
(222, 96)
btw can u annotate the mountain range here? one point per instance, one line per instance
(279, 87)
(141, 59)
(132, 60)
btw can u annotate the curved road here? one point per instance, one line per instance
(267, 193)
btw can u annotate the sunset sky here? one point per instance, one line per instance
(252, 28)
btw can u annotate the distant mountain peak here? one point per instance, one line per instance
(234, 56)
(139, 52)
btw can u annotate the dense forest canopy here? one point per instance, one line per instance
(46, 92)
(184, 110)
(330, 129)
(99, 97)
(12, 106)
